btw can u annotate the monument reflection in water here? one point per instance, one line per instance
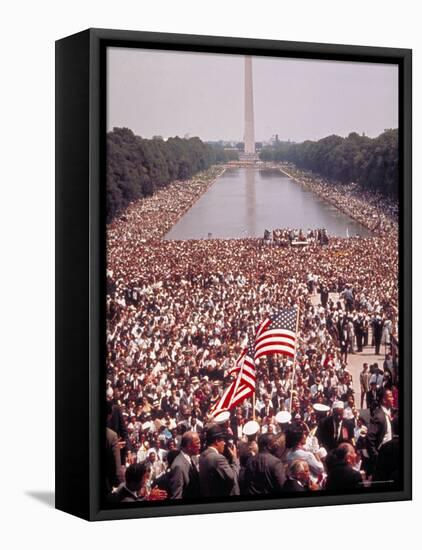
(244, 202)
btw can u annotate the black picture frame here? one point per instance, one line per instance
(80, 262)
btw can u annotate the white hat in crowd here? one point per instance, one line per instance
(283, 417)
(251, 427)
(222, 417)
(320, 407)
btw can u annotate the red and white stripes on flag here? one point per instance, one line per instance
(242, 387)
(277, 334)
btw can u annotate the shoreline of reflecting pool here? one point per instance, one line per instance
(243, 202)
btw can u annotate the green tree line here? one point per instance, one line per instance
(372, 162)
(137, 167)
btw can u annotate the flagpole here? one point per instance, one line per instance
(294, 361)
(254, 393)
(237, 382)
(253, 404)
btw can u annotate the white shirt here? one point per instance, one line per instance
(377, 378)
(389, 433)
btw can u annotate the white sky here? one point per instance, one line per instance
(177, 93)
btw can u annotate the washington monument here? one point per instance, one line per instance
(249, 115)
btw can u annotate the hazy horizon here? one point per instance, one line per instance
(188, 136)
(169, 93)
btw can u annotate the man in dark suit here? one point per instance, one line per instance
(373, 396)
(117, 423)
(134, 488)
(299, 478)
(264, 473)
(267, 409)
(218, 475)
(278, 400)
(184, 477)
(359, 331)
(388, 460)
(341, 474)
(334, 429)
(377, 325)
(380, 429)
(135, 478)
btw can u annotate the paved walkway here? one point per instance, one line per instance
(356, 360)
(354, 365)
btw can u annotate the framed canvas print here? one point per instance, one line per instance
(233, 274)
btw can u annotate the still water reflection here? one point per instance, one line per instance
(244, 202)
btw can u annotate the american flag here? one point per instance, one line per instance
(244, 384)
(277, 334)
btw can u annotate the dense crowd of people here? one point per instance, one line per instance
(374, 211)
(178, 315)
(152, 217)
(289, 236)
